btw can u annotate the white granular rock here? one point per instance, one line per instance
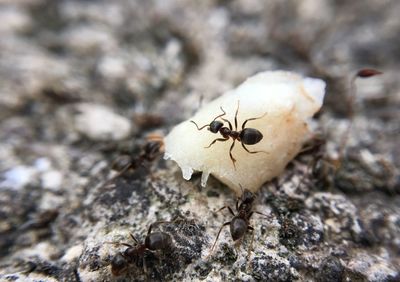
(100, 123)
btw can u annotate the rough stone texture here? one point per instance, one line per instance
(148, 62)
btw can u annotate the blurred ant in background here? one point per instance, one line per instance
(322, 165)
(149, 152)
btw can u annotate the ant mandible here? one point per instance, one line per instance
(154, 241)
(246, 136)
(239, 224)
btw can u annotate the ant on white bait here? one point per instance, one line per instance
(246, 136)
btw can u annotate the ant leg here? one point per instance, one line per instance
(251, 213)
(145, 270)
(229, 123)
(241, 187)
(198, 126)
(125, 244)
(363, 73)
(155, 224)
(252, 152)
(216, 239)
(238, 199)
(134, 239)
(230, 154)
(218, 139)
(251, 244)
(118, 243)
(237, 111)
(317, 142)
(260, 213)
(119, 173)
(224, 113)
(226, 207)
(250, 119)
(178, 217)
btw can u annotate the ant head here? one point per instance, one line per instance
(247, 197)
(215, 126)
(119, 264)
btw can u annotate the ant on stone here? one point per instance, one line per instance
(246, 136)
(134, 254)
(239, 224)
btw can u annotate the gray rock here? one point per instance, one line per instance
(74, 73)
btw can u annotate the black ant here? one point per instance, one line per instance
(134, 255)
(246, 136)
(239, 224)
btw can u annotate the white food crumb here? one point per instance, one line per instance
(286, 101)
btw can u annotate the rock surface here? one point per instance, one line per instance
(62, 206)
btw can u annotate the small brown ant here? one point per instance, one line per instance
(134, 255)
(246, 136)
(239, 224)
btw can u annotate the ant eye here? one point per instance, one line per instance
(266, 120)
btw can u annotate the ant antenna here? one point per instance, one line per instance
(133, 238)
(241, 187)
(363, 73)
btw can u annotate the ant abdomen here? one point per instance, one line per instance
(158, 241)
(250, 136)
(119, 264)
(238, 228)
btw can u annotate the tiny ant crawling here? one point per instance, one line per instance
(239, 224)
(246, 136)
(134, 255)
